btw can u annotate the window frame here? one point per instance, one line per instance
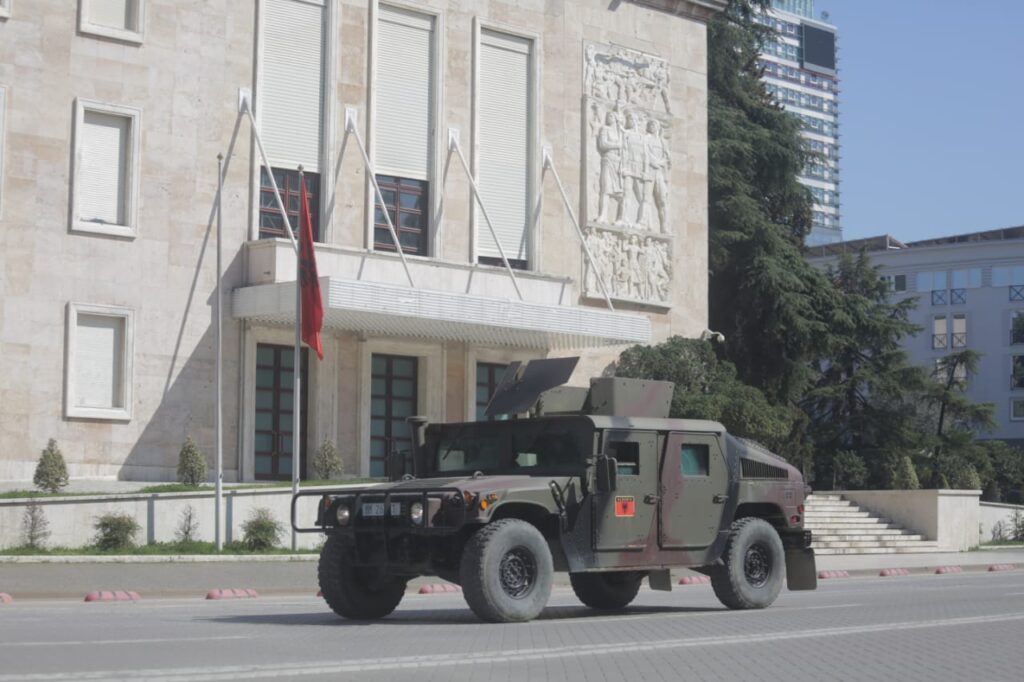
(286, 193)
(130, 228)
(398, 188)
(125, 35)
(5, 9)
(3, 137)
(1015, 384)
(72, 411)
(1012, 401)
(535, 155)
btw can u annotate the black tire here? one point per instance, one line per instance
(355, 593)
(606, 591)
(754, 566)
(506, 572)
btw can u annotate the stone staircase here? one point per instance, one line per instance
(841, 527)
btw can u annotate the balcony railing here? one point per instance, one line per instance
(958, 296)
(938, 341)
(960, 340)
(939, 297)
(1017, 292)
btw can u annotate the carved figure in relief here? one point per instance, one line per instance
(634, 171)
(658, 163)
(609, 146)
(660, 77)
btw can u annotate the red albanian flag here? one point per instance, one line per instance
(309, 280)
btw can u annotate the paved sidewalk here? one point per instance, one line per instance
(872, 563)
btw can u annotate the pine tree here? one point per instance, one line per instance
(958, 419)
(51, 472)
(191, 464)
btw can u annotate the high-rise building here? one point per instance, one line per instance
(800, 70)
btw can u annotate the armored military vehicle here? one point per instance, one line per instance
(598, 483)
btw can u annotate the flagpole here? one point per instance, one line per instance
(219, 484)
(297, 373)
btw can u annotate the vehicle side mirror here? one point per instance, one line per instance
(606, 470)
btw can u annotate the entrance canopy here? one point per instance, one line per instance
(386, 310)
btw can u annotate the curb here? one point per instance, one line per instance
(695, 580)
(823, 575)
(116, 595)
(942, 570)
(232, 593)
(156, 558)
(1002, 567)
(439, 588)
(5, 598)
(893, 572)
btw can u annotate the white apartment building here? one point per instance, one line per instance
(970, 292)
(113, 114)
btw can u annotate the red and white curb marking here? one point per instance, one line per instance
(5, 598)
(1002, 567)
(942, 570)
(822, 575)
(892, 572)
(232, 593)
(695, 580)
(112, 595)
(440, 588)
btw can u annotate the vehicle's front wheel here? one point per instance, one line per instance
(506, 572)
(354, 592)
(754, 559)
(607, 591)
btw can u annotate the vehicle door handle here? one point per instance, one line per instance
(651, 499)
(719, 499)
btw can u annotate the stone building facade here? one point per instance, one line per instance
(112, 115)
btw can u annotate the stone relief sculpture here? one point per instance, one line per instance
(627, 154)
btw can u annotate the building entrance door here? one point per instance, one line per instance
(275, 412)
(393, 397)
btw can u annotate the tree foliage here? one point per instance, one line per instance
(326, 461)
(51, 472)
(191, 463)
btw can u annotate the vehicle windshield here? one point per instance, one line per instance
(530, 446)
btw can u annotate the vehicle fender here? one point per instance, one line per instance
(801, 571)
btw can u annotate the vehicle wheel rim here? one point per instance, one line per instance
(517, 572)
(757, 565)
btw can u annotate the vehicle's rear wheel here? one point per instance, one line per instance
(608, 591)
(506, 572)
(354, 592)
(754, 559)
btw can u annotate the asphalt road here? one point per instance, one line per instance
(952, 627)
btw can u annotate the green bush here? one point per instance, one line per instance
(191, 464)
(51, 472)
(115, 531)
(966, 478)
(326, 462)
(904, 474)
(34, 526)
(848, 471)
(261, 530)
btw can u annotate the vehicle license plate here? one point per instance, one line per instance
(377, 509)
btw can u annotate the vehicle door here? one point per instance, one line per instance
(624, 516)
(693, 490)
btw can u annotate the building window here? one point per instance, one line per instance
(1017, 327)
(959, 338)
(407, 203)
(98, 383)
(118, 19)
(1017, 409)
(1017, 372)
(896, 282)
(106, 169)
(488, 376)
(939, 332)
(504, 146)
(271, 221)
(290, 105)
(5, 9)
(1011, 276)
(393, 398)
(403, 129)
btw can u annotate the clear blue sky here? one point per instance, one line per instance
(931, 115)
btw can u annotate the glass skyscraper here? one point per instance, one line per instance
(800, 70)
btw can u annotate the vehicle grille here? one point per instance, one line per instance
(755, 469)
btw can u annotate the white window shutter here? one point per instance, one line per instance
(113, 13)
(291, 83)
(103, 175)
(99, 360)
(503, 147)
(404, 83)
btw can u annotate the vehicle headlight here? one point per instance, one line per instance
(343, 515)
(416, 513)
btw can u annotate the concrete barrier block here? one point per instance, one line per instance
(942, 570)
(112, 595)
(893, 572)
(1002, 567)
(825, 575)
(5, 598)
(440, 588)
(232, 593)
(695, 580)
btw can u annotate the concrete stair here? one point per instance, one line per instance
(841, 527)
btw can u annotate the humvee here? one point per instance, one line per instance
(596, 482)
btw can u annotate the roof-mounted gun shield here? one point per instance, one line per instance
(522, 384)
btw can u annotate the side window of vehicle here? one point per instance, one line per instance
(627, 454)
(693, 460)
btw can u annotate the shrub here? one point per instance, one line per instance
(188, 525)
(326, 462)
(848, 471)
(34, 526)
(191, 464)
(1017, 523)
(999, 532)
(967, 478)
(51, 472)
(261, 530)
(903, 475)
(115, 531)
